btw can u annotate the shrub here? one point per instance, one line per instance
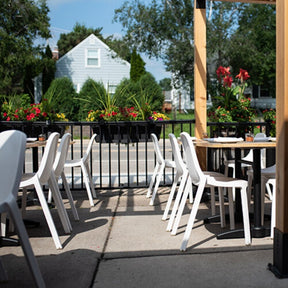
(61, 97)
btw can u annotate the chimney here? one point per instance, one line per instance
(55, 53)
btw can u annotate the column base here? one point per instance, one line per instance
(280, 255)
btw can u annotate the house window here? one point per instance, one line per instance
(92, 58)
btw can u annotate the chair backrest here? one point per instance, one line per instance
(61, 154)
(192, 162)
(249, 156)
(12, 155)
(89, 148)
(180, 165)
(158, 153)
(48, 158)
(260, 135)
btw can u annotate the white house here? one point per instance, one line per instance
(93, 59)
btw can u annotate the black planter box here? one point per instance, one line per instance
(125, 131)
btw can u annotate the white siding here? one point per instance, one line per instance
(73, 64)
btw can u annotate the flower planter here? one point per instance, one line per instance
(125, 131)
(34, 129)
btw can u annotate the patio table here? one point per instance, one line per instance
(257, 230)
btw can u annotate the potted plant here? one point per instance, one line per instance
(121, 124)
(30, 117)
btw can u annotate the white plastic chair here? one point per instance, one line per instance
(181, 174)
(266, 174)
(83, 163)
(58, 168)
(45, 174)
(201, 180)
(249, 157)
(161, 164)
(12, 155)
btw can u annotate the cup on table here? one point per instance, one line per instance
(41, 137)
(249, 137)
(204, 135)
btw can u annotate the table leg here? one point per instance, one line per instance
(258, 230)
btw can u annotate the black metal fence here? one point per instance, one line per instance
(123, 155)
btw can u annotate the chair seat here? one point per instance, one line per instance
(73, 163)
(170, 163)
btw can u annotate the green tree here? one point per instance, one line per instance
(137, 66)
(49, 69)
(21, 22)
(61, 96)
(161, 29)
(253, 45)
(165, 84)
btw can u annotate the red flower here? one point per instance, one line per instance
(243, 75)
(227, 81)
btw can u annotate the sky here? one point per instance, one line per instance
(64, 14)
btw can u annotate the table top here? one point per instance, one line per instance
(240, 144)
(33, 144)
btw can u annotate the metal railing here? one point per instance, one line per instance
(125, 160)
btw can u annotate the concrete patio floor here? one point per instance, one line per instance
(122, 242)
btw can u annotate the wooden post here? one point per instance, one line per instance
(280, 250)
(200, 81)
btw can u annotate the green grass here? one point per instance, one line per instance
(178, 128)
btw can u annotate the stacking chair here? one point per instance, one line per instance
(45, 175)
(161, 164)
(201, 180)
(83, 163)
(12, 155)
(181, 174)
(58, 168)
(249, 157)
(266, 174)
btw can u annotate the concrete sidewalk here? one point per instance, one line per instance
(122, 242)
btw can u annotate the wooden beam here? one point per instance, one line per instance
(200, 72)
(280, 251)
(250, 1)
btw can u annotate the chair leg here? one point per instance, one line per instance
(23, 236)
(192, 216)
(222, 207)
(59, 204)
(171, 195)
(48, 216)
(87, 184)
(273, 210)
(181, 207)
(231, 209)
(152, 181)
(70, 197)
(158, 179)
(245, 213)
(213, 207)
(185, 181)
(90, 180)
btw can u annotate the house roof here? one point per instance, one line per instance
(91, 37)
